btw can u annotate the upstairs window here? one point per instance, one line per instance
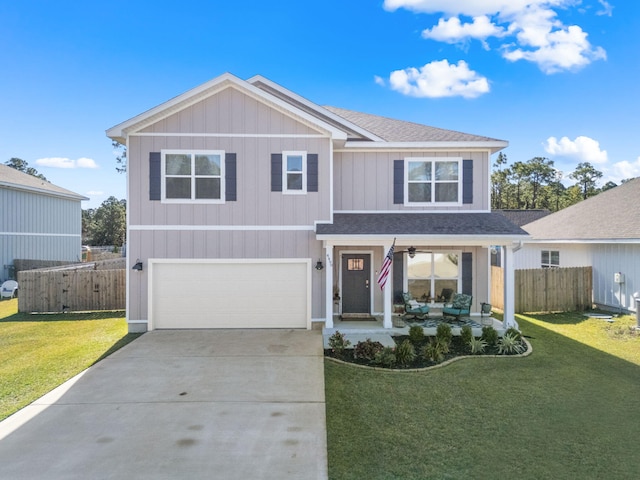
(294, 172)
(550, 258)
(433, 181)
(193, 176)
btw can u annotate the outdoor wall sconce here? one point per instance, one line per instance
(319, 265)
(137, 266)
(412, 252)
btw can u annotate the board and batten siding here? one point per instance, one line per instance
(256, 204)
(214, 244)
(609, 259)
(363, 181)
(38, 227)
(231, 111)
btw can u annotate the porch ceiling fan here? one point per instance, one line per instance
(411, 251)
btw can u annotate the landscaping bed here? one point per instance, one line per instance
(415, 351)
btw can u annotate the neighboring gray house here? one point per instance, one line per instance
(39, 221)
(517, 217)
(602, 232)
(250, 206)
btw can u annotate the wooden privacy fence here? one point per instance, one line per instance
(546, 289)
(74, 290)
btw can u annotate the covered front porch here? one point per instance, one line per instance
(434, 256)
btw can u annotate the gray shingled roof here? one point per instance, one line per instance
(393, 130)
(614, 214)
(419, 224)
(12, 178)
(522, 217)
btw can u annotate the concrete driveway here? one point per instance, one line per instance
(214, 404)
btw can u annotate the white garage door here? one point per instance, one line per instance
(230, 294)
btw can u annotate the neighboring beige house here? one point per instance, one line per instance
(250, 206)
(602, 232)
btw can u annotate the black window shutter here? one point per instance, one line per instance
(312, 172)
(230, 177)
(155, 176)
(276, 172)
(467, 181)
(398, 277)
(467, 273)
(398, 181)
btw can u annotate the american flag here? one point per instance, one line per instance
(386, 266)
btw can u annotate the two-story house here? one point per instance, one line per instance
(251, 207)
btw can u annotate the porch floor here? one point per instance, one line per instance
(359, 330)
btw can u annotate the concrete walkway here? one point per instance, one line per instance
(214, 404)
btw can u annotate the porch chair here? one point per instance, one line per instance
(460, 305)
(414, 309)
(8, 289)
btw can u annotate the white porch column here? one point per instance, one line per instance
(387, 293)
(509, 319)
(328, 322)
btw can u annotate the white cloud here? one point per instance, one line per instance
(582, 149)
(453, 30)
(439, 79)
(530, 28)
(558, 50)
(623, 170)
(59, 162)
(607, 8)
(95, 193)
(379, 80)
(86, 163)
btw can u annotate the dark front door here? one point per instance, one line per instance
(356, 279)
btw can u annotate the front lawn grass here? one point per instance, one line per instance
(570, 410)
(39, 352)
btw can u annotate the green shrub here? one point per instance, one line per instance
(490, 336)
(466, 334)
(509, 344)
(477, 345)
(443, 332)
(367, 350)
(405, 353)
(338, 343)
(435, 350)
(514, 332)
(416, 334)
(385, 357)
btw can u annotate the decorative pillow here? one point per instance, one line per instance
(460, 301)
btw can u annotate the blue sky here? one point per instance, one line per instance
(556, 78)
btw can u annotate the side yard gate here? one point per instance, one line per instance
(74, 290)
(546, 289)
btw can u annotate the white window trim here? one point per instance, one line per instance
(405, 268)
(285, 190)
(433, 161)
(549, 264)
(193, 154)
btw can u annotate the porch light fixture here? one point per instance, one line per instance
(137, 266)
(412, 252)
(319, 265)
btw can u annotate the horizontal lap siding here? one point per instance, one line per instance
(364, 180)
(40, 227)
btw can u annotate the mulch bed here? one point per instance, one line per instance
(456, 349)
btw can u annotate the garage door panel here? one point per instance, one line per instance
(230, 295)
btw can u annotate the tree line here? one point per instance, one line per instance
(537, 184)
